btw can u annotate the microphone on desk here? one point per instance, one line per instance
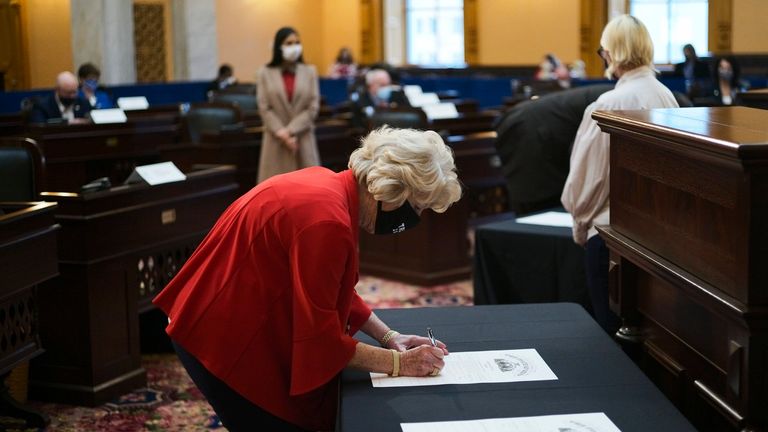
(99, 184)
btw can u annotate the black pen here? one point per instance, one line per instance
(431, 336)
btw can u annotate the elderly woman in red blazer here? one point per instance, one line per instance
(288, 98)
(264, 312)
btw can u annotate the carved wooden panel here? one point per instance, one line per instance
(149, 39)
(471, 42)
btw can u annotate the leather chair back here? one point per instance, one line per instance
(210, 118)
(22, 169)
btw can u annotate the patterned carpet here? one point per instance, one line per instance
(173, 403)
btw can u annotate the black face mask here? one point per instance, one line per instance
(395, 221)
(66, 101)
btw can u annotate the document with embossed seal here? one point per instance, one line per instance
(587, 422)
(473, 367)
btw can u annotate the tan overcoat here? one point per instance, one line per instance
(298, 116)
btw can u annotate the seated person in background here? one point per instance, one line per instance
(534, 144)
(344, 67)
(552, 69)
(378, 93)
(727, 81)
(223, 80)
(63, 103)
(88, 76)
(695, 72)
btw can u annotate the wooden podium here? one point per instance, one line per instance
(688, 238)
(117, 249)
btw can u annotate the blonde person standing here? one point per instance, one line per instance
(627, 50)
(289, 97)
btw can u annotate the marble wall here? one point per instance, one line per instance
(195, 47)
(102, 33)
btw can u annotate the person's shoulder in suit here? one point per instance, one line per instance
(44, 108)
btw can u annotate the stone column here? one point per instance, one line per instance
(195, 46)
(102, 33)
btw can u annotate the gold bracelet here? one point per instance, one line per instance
(387, 336)
(395, 363)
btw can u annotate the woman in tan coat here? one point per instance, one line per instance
(289, 98)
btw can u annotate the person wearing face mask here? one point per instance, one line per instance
(61, 105)
(728, 82)
(288, 99)
(88, 76)
(344, 67)
(627, 49)
(379, 93)
(263, 314)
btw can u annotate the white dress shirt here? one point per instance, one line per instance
(586, 190)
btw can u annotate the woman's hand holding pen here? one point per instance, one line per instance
(424, 360)
(403, 343)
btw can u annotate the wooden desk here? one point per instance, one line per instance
(117, 249)
(27, 258)
(436, 251)
(78, 154)
(753, 98)
(688, 238)
(479, 168)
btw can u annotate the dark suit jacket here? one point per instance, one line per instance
(534, 144)
(45, 108)
(700, 70)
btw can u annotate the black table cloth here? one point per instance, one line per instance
(523, 263)
(594, 375)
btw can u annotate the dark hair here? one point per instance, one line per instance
(225, 69)
(86, 70)
(340, 58)
(277, 52)
(736, 78)
(691, 48)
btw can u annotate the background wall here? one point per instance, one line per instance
(48, 36)
(247, 27)
(520, 32)
(749, 21)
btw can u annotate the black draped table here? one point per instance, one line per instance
(523, 263)
(594, 375)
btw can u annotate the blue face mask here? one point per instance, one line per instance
(395, 221)
(384, 93)
(91, 83)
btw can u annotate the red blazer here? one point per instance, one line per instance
(267, 301)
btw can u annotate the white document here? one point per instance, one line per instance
(411, 90)
(111, 115)
(587, 422)
(133, 103)
(421, 99)
(473, 367)
(552, 218)
(440, 111)
(155, 174)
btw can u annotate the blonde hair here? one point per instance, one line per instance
(396, 165)
(628, 43)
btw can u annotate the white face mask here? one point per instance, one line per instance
(291, 53)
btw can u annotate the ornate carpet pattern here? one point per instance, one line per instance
(172, 403)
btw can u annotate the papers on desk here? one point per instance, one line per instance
(552, 218)
(588, 422)
(473, 367)
(155, 174)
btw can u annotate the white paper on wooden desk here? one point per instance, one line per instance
(110, 115)
(551, 218)
(155, 174)
(443, 110)
(473, 367)
(421, 99)
(587, 422)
